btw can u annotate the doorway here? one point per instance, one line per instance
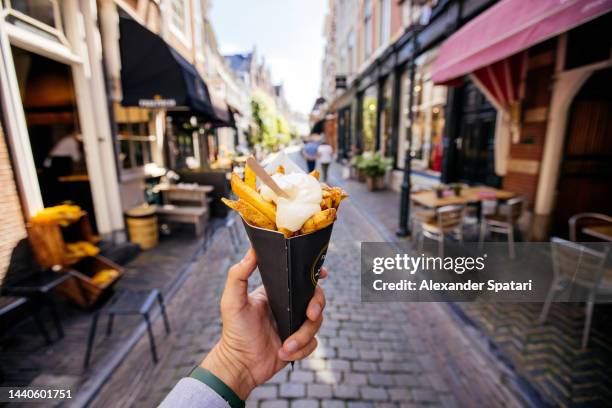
(475, 144)
(586, 169)
(51, 113)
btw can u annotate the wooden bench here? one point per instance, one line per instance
(190, 215)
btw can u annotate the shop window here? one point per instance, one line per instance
(428, 114)
(404, 123)
(367, 25)
(369, 109)
(179, 20)
(586, 44)
(385, 118)
(135, 138)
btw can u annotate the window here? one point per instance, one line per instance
(367, 25)
(428, 124)
(134, 136)
(179, 20)
(198, 28)
(385, 22)
(369, 108)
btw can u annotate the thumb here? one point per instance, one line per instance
(235, 292)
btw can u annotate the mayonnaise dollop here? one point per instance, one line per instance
(305, 197)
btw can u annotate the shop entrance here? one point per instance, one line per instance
(476, 142)
(51, 114)
(586, 170)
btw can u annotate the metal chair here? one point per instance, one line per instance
(503, 222)
(129, 302)
(578, 265)
(448, 220)
(579, 221)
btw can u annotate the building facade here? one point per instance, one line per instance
(459, 130)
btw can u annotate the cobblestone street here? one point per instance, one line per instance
(369, 354)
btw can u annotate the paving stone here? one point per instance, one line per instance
(422, 395)
(363, 366)
(374, 393)
(333, 404)
(399, 394)
(264, 392)
(313, 363)
(348, 353)
(300, 376)
(274, 404)
(408, 380)
(339, 365)
(355, 378)
(321, 391)
(292, 390)
(328, 377)
(369, 355)
(359, 404)
(278, 378)
(346, 391)
(380, 379)
(305, 403)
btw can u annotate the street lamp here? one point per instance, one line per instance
(404, 215)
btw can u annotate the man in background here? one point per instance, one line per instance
(325, 153)
(309, 152)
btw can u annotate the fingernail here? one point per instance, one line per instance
(291, 346)
(315, 309)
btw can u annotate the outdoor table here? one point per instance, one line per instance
(184, 192)
(603, 232)
(468, 195)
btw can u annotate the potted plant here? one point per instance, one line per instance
(355, 167)
(374, 166)
(439, 189)
(456, 187)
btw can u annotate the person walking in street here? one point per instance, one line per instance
(249, 352)
(309, 152)
(325, 154)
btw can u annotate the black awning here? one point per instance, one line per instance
(225, 117)
(317, 128)
(154, 75)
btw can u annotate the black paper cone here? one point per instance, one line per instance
(289, 270)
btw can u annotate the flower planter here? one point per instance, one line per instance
(375, 182)
(361, 177)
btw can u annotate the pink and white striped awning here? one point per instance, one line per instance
(506, 29)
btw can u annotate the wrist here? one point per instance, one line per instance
(229, 370)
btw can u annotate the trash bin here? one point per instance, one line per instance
(142, 226)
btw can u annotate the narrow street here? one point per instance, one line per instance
(369, 354)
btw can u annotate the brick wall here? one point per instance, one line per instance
(12, 227)
(526, 155)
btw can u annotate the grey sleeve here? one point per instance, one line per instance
(189, 392)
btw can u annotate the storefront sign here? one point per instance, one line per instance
(156, 103)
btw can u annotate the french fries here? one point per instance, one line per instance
(252, 215)
(319, 221)
(249, 177)
(260, 213)
(248, 194)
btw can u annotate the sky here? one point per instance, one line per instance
(289, 33)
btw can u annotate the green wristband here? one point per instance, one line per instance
(217, 386)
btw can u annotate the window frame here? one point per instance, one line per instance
(182, 33)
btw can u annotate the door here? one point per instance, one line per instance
(475, 143)
(586, 170)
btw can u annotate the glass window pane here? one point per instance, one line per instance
(41, 10)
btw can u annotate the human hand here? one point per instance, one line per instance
(250, 351)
